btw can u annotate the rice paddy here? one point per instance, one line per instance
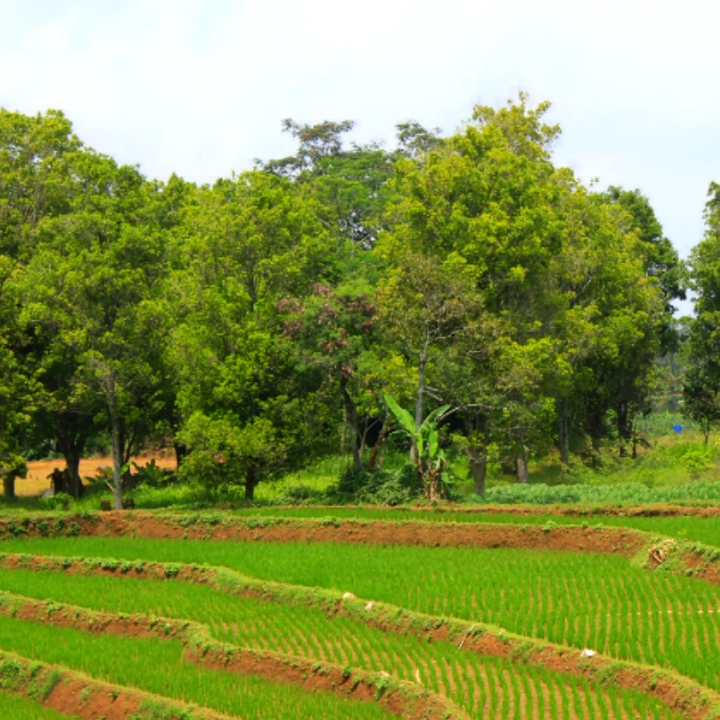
(579, 600)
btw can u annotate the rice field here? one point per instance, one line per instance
(15, 707)
(579, 600)
(484, 686)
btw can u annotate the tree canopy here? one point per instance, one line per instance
(261, 322)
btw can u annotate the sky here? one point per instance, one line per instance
(199, 87)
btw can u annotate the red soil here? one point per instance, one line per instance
(531, 537)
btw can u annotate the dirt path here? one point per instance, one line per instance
(37, 481)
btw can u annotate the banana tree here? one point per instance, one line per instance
(429, 456)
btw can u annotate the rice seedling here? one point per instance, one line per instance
(308, 632)
(15, 707)
(583, 600)
(160, 668)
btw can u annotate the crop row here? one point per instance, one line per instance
(486, 687)
(160, 668)
(595, 601)
(16, 707)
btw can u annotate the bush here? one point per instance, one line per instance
(59, 501)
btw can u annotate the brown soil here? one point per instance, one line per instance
(37, 481)
(566, 538)
(702, 509)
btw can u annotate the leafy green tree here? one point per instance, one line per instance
(35, 157)
(423, 307)
(251, 409)
(702, 380)
(18, 389)
(562, 270)
(91, 298)
(334, 328)
(350, 184)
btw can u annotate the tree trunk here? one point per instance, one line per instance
(181, 452)
(75, 486)
(523, 475)
(382, 439)
(9, 485)
(71, 446)
(477, 459)
(419, 400)
(351, 420)
(251, 480)
(563, 433)
(117, 459)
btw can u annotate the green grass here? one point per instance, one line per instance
(159, 667)
(582, 600)
(307, 632)
(15, 707)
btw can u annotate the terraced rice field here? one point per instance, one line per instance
(414, 664)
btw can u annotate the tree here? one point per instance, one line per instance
(35, 154)
(702, 379)
(350, 184)
(429, 456)
(250, 407)
(91, 298)
(423, 306)
(18, 389)
(334, 329)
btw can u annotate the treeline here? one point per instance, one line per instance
(259, 322)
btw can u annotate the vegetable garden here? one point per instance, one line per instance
(176, 617)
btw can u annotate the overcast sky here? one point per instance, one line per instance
(199, 87)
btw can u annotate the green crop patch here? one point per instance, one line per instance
(591, 601)
(159, 667)
(307, 632)
(14, 707)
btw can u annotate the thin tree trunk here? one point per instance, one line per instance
(351, 420)
(117, 459)
(563, 433)
(382, 439)
(419, 400)
(523, 476)
(477, 459)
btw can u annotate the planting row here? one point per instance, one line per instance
(15, 707)
(504, 690)
(486, 687)
(582, 600)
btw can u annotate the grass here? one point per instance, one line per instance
(14, 707)
(582, 600)
(307, 632)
